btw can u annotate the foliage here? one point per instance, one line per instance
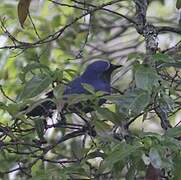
(45, 44)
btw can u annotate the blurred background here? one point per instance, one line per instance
(104, 34)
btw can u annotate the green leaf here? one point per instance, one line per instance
(108, 115)
(171, 143)
(30, 68)
(33, 66)
(136, 56)
(75, 168)
(160, 57)
(131, 173)
(174, 132)
(88, 88)
(146, 77)
(76, 98)
(58, 75)
(117, 169)
(56, 21)
(101, 126)
(150, 134)
(35, 86)
(119, 153)
(3, 106)
(58, 91)
(178, 4)
(167, 101)
(13, 108)
(113, 97)
(177, 167)
(38, 169)
(70, 72)
(155, 158)
(134, 102)
(39, 126)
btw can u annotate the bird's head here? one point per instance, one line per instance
(100, 69)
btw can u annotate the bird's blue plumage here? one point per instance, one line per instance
(97, 74)
(93, 76)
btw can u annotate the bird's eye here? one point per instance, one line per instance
(108, 66)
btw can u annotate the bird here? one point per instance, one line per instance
(97, 75)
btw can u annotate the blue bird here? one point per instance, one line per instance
(97, 74)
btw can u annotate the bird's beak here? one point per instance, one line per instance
(113, 66)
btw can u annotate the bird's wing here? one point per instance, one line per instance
(75, 87)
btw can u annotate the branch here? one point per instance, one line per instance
(105, 9)
(65, 138)
(144, 28)
(162, 29)
(57, 34)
